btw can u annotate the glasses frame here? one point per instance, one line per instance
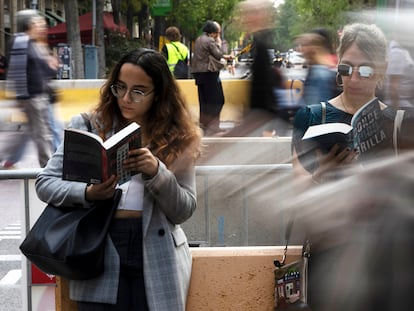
(114, 89)
(364, 71)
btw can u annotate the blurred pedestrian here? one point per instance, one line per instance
(399, 82)
(56, 127)
(3, 66)
(27, 77)
(328, 44)
(174, 50)
(207, 78)
(320, 83)
(264, 114)
(361, 230)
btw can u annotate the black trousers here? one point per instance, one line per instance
(210, 98)
(126, 235)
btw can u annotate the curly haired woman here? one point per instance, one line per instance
(147, 259)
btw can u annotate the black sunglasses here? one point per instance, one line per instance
(364, 71)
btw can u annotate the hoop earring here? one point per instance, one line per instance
(338, 80)
(380, 82)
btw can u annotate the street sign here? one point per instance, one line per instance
(161, 7)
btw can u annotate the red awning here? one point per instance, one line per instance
(57, 34)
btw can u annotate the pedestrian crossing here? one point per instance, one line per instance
(11, 232)
(10, 257)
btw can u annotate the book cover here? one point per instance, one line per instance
(87, 158)
(366, 132)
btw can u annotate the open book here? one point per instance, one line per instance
(87, 158)
(367, 132)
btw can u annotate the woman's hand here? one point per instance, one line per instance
(333, 161)
(102, 191)
(143, 161)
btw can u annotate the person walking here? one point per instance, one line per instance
(399, 82)
(3, 66)
(27, 77)
(264, 115)
(320, 82)
(174, 50)
(55, 125)
(207, 79)
(147, 258)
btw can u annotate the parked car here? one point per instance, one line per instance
(294, 58)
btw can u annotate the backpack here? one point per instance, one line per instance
(181, 69)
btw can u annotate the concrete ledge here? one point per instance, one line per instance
(223, 278)
(77, 96)
(234, 278)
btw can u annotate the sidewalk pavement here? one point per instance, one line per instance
(12, 131)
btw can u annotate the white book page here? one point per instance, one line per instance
(113, 140)
(326, 128)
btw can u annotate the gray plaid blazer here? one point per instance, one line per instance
(169, 199)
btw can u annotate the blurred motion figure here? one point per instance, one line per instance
(27, 77)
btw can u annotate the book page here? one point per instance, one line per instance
(325, 128)
(116, 138)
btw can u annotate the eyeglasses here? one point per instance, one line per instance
(347, 70)
(136, 96)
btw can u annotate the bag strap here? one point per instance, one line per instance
(323, 120)
(399, 117)
(288, 232)
(182, 57)
(87, 121)
(315, 109)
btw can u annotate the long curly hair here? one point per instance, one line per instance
(169, 129)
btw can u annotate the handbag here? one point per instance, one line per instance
(70, 242)
(181, 69)
(215, 64)
(291, 280)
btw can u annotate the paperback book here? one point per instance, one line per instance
(366, 133)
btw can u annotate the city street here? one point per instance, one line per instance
(242, 70)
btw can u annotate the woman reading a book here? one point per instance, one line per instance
(147, 260)
(361, 69)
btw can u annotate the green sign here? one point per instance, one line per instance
(161, 7)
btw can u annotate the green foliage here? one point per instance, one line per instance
(299, 16)
(190, 15)
(116, 46)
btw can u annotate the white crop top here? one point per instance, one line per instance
(132, 194)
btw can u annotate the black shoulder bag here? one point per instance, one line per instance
(69, 241)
